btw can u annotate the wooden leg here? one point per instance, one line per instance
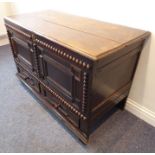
(121, 104)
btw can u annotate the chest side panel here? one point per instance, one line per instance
(113, 77)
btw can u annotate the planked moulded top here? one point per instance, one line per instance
(91, 38)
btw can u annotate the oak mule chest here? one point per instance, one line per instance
(78, 67)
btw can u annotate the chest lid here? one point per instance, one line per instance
(91, 38)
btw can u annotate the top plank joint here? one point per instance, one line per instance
(90, 38)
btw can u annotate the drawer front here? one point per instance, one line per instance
(61, 76)
(70, 116)
(22, 51)
(61, 108)
(28, 78)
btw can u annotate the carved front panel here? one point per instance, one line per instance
(61, 76)
(28, 78)
(22, 50)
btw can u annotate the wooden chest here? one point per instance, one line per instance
(79, 68)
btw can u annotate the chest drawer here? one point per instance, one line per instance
(70, 112)
(70, 116)
(28, 78)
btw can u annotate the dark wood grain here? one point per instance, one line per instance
(79, 69)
